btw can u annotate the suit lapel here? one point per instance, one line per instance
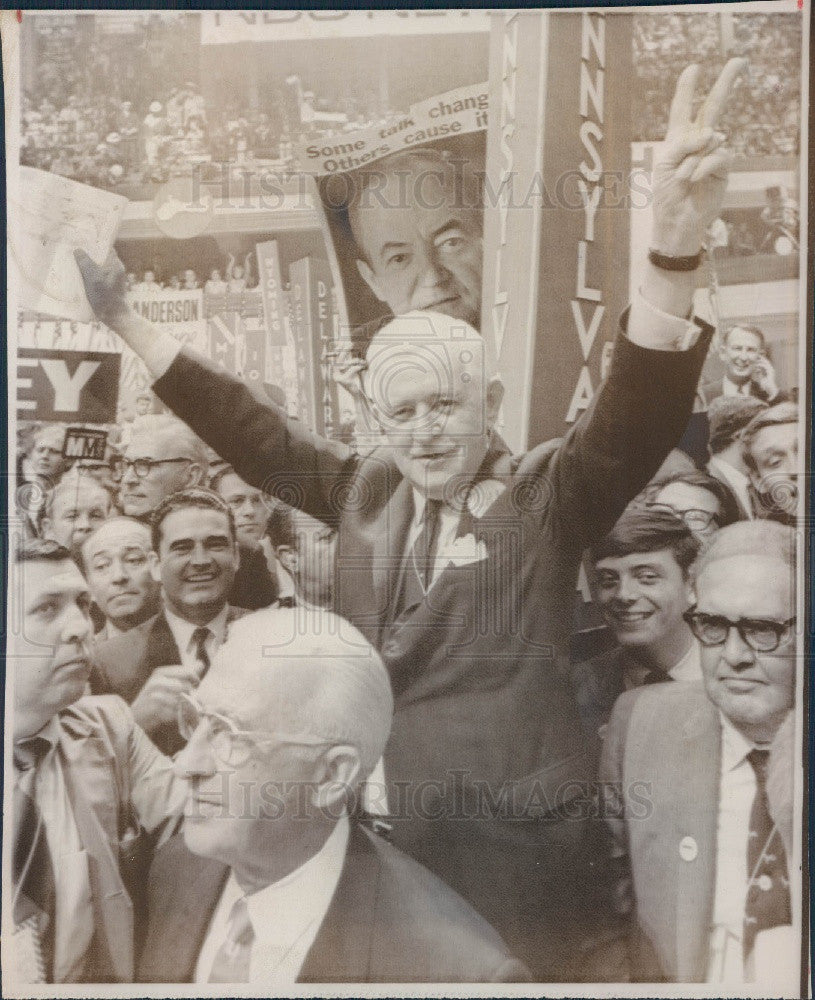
(179, 919)
(389, 545)
(697, 811)
(161, 646)
(341, 951)
(92, 790)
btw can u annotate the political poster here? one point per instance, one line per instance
(75, 386)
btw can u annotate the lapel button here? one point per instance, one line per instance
(688, 849)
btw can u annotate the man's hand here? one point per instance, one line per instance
(763, 376)
(157, 702)
(105, 287)
(346, 371)
(690, 173)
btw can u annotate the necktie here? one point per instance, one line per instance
(32, 872)
(232, 962)
(417, 572)
(768, 889)
(199, 638)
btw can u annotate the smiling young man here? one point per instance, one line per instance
(86, 781)
(718, 759)
(642, 581)
(748, 370)
(193, 537)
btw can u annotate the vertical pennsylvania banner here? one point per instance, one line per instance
(557, 194)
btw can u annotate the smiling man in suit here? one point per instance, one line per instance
(195, 558)
(458, 560)
(87, 782)
(272, 882)
(709, 853)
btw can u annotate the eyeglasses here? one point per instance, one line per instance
(763, 635)
(141, 466)
(695, 519)
(233, 746)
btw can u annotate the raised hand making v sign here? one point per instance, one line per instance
(689, 181)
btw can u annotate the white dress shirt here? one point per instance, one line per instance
(182, 633)
(733, 389)
(73, 917)
(687, 669)
(285, 916)
(737, 790)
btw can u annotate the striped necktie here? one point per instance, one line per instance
(233, 960)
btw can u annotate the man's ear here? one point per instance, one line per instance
(196, 475)
(287, 557)
(494, 397)
(340, 767)
(369, 278)
(155, 568)
(46, 528)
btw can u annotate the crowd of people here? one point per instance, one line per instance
(232, 279)
(323, 698)
(113, 115)
(764, 118)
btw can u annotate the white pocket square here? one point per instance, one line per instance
(464, 550)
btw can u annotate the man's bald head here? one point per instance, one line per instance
(429, 381)
(303, 672)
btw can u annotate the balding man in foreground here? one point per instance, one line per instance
(458, 560)
(709, 841)
(271, 882)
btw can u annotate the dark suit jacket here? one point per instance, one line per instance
(479, 669)
(663, 744)
(124, 663)
(390, 921)
(118, 785)
(713, 389)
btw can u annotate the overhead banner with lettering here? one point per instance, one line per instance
(67, 386)
(456, 112)
(177, 311)
(225, 27)
(562, 194)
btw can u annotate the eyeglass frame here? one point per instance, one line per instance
(692, 615)
(118, 466)
(257, 737)
(710, 516)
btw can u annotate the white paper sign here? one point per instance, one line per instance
(53, 217)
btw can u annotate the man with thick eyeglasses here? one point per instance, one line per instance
(271, 882)
(717, 759)
(162, 457)
(703, 502)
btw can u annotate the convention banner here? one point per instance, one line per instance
(456, 112)
(557, 195)
(179, 312)
(67, 386)
(271, 288)
(222, 27)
